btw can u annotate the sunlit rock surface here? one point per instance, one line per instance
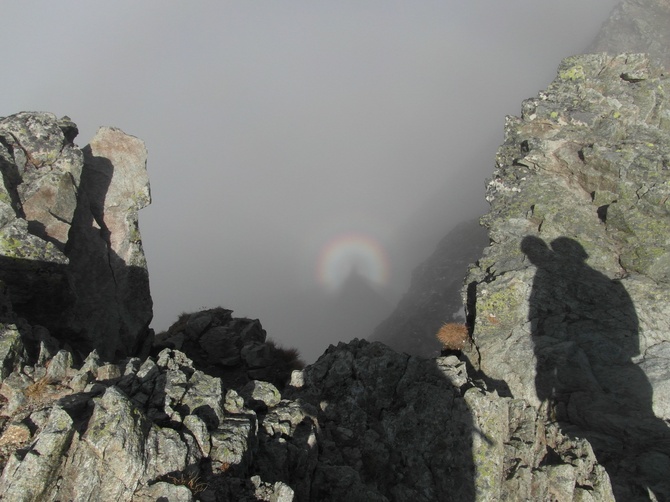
(570, 301)
(70, 248)
(362, 423)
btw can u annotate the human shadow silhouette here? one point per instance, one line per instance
(585, 332)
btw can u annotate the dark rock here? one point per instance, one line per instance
(367, 423)
(231, 348)
(562, 396)
(222, 345)
(12, 351)
(107, 264)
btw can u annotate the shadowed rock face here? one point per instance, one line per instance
(568, 307)
(108, 269)
(362, 423)
(570, 300)
(637, 26)
(70, 247)
(201, 418)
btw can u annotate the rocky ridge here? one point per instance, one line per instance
(217, 413)
(569, 303)
(363, 423)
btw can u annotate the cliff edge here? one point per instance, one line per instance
(569, 303)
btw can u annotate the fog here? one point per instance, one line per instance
(304, 156)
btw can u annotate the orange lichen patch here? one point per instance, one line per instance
(453, 336)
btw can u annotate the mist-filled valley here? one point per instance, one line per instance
(304, 157)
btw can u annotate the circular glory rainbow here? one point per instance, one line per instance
(351, 252)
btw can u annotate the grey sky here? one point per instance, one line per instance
(272, 127)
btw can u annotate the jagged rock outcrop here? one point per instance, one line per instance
(363, 423)
(639, 26)
(70, 248)
(108, 269)
(233, 349)
(434, 294)
(570, 301)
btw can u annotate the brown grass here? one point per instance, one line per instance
(177, 326)
(190, 481)
(287, 358)
(39, 389)
(453, 336)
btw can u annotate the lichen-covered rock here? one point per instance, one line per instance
(33, 474)
(107, 264)
(138, 424)
(12, 351)
(570, 300)
(366, 423)
(563, 395)
(117, 434)
(163, 490)
(260, 394)
(40, 169)
(70, 249)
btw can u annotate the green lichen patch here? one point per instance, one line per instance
(499, 304)
(572, 73)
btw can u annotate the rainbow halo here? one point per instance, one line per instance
(352, 253)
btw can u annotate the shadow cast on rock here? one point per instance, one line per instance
(585, 331)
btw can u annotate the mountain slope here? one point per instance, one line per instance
(434, 295)
(570, 300)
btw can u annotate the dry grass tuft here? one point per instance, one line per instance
(16, 435)
(286, 358)
(453, 336)
(39, 389)
(190, 481)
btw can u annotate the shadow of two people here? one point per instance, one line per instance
(585, 331)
